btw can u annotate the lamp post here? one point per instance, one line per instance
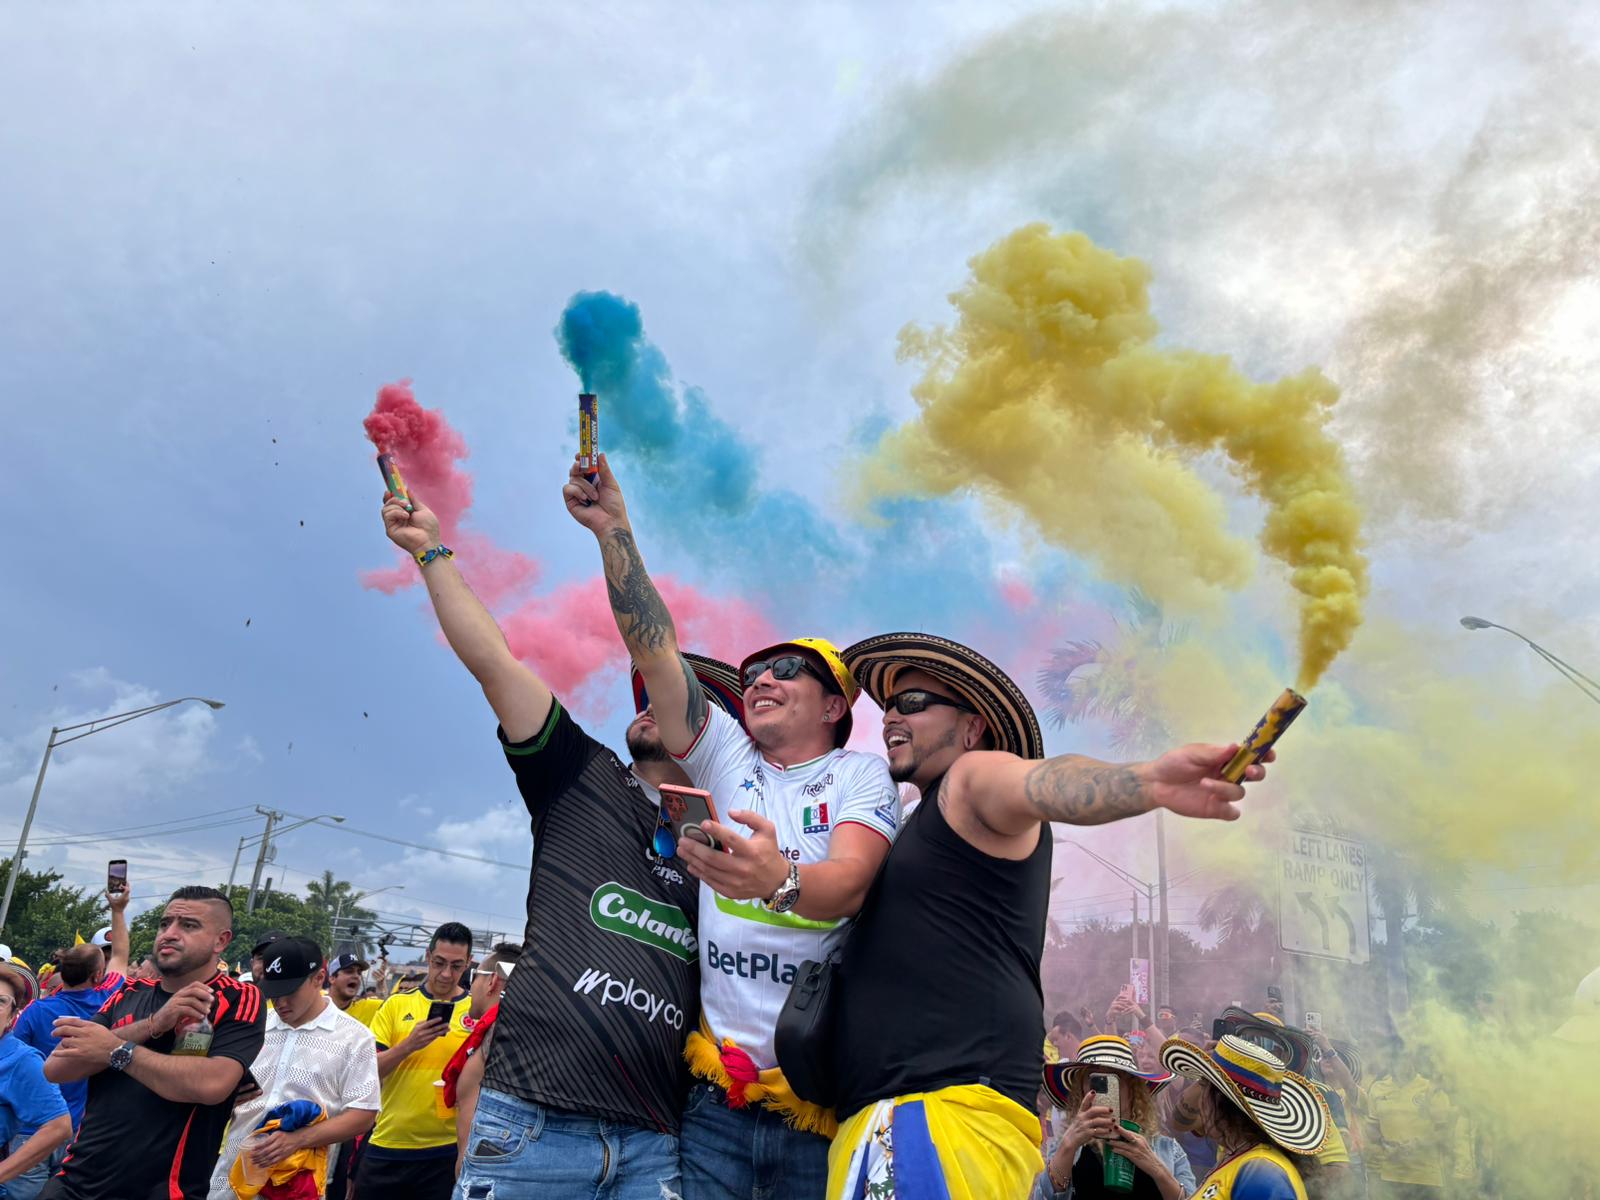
(99, 725)
(357, 899)
(1578, 679)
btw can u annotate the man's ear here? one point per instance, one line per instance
(974, 736)
(835, 708)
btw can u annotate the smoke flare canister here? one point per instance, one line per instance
(392, 480)
(589, 435)
(1266, 733)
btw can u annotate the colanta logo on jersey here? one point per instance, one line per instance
(621, 910)
(614, 991)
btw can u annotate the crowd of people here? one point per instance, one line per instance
(821, 991)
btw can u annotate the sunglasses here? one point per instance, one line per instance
(663, 843)
(785, 666)
(912, 701)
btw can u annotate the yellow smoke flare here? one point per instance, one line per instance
(1050, 392)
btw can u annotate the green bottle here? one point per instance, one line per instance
(1119, 1172)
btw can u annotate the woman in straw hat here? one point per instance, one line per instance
(1076, 1168)
(1265, 1119)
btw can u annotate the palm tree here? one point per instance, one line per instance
(1235, 912)
(1090, 681)
(338, 900)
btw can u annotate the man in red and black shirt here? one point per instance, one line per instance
(155, 1119)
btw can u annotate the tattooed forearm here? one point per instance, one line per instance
(642, 618)
(696, 713)
(1084, 791)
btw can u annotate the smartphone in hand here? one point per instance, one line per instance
(441, 1010)
(683, 813)
(117, 875)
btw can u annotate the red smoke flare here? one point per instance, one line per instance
(569, 635)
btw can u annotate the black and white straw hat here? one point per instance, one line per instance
(1286, 1106)
(1005, 710)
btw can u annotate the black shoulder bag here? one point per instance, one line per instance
(803, 1039)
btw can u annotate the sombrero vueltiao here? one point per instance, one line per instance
(1103, 1053)
(718, 680)
(1285, 1105)
(1005, 710)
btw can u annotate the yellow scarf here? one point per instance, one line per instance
(731, 1069)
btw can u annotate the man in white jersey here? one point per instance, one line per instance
(820, 821)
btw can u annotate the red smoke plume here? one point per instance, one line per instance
(568, 636)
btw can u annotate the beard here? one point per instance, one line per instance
(919, 756)
(645, 746)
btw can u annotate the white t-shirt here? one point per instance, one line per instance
(749, 956)
(331, 1060)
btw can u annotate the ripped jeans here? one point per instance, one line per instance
(518, 1150)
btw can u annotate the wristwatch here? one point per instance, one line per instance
(782, 900)
(121, 1057)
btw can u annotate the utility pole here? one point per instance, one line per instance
(261, 856)
(1163, 965)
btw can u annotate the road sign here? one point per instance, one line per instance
(1139, 976)
(1322, 898)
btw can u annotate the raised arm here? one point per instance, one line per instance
(117, 959)
(519, 697)
(1011, 795)
(643, 621)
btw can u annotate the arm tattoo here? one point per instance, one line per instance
(1083, 791)
(642, 618)
(696, 713)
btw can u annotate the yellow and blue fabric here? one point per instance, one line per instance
(966, 1142)
(1261, 1173)
(287, 1117)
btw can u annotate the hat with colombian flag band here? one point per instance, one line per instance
(879, 661)
(1105, 1052)
(828, 654)
(718, 680)
(1285, 1105)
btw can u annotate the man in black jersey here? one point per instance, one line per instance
(953, 928)
(161, 1088)
(584, 1080)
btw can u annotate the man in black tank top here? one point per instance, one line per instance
(951, 934)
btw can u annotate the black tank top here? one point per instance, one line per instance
(939, 980)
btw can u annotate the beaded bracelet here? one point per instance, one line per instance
(424, 557)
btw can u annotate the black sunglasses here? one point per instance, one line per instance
(912, 701)
(785, 666)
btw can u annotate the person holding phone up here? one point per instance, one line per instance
(1104, 1091)
(412, 1151)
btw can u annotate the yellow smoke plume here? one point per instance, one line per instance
(1050, 392)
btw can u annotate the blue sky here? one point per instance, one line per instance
(226, 231)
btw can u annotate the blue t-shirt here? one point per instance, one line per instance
(27, 1099)
(38, 1019)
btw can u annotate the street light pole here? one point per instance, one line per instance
(1576, 677)
(98, 725)
(273, 816)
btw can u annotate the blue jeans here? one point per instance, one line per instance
(520, 1150)
(28, 1185)
(747, 1153)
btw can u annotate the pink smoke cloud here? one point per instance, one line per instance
(567, 635)
(570, 638)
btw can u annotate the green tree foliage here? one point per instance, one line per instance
(310, 918)
(46, 913)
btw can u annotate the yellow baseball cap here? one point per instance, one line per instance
(825, 650)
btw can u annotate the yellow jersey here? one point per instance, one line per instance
(411, 1118)
(1260, 1173)
(365, 1009)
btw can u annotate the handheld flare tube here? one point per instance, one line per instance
(392, 480)
(589, 436)
(1265, 735)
